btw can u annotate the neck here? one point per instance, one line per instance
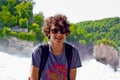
(56, 49)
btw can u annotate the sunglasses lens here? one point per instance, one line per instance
(62, 31)
(55, 31)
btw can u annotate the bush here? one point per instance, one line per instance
(23, 22)
(5, 32)
(27, 36)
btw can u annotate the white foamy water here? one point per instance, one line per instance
(13, 67)
(18, 68)
(93, 70)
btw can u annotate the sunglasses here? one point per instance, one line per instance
(55, 31)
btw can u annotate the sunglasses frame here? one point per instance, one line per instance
(55, 31)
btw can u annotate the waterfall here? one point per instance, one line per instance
(18, 68)
(14, 67)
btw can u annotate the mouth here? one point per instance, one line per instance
(58, 38)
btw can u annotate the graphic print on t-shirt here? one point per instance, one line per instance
(57, 72)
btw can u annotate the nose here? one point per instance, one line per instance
(59, 33)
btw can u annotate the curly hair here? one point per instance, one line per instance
(59, 21)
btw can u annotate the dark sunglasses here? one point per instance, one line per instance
(55, 31)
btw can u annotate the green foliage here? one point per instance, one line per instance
(89, 37)
(7, 18)
(5, 32)
(108, 28)
(38, 31)
(23, 23)
(75, 34)
(82, 42)
(13, 33)
(11, 4)
(45, 39)
(34, 27)
(72, 36)
(15, 12)
(107, 42)
(39, 35)
(27, 36)
(38, 18)
(24, 9)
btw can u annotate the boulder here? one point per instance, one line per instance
(106, 54)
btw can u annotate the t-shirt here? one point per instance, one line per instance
(56, 65)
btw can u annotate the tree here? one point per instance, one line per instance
(38, 18)
(23, 23)
(7, 18)
(24, 10)
(11, 5)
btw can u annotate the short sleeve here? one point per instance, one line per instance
(76, 62)
(36, 56)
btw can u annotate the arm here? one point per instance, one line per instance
(34, 73)
(73, 74)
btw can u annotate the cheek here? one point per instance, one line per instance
(51, 36)
(65, 36)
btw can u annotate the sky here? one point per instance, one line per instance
(79, 10)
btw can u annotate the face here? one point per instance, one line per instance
(57, 36)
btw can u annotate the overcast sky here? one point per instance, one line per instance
(79, 10)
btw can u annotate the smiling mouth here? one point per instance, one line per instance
(58, 38)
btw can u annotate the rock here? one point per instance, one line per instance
(17, 47)
(106, 54)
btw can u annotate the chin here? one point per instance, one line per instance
(59, 42)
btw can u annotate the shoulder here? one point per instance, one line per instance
(37, 47)
(71, 48)
(71, 45)
(40, 47)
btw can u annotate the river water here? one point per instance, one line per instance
(18, 68)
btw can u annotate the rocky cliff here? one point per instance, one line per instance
(16, 46)
(106, 54)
